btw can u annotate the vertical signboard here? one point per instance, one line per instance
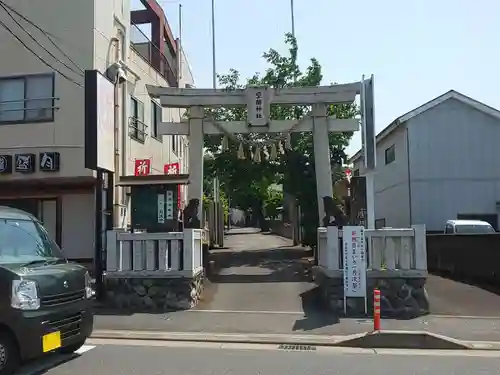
(258, 105)
(169, 212)
(161, 208)
(99, 122)
(354, 257)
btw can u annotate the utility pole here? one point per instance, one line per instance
(214, 66)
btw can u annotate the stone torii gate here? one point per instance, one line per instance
(258, 101)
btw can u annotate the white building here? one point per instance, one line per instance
(438, 162)
(41, 111)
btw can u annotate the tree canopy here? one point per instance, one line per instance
(245, 181)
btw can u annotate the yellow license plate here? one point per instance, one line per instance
(51, 341)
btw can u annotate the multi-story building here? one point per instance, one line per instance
(46, 46)
(436, 163)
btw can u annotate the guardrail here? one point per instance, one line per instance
(154, 254)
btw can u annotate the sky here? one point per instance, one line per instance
(416, 50)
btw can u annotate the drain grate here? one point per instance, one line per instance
(297, 347)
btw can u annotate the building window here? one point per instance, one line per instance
(156, 116)
(390, 155)
(174, 144)
(137, 127)
(356, 173)
(27, 99)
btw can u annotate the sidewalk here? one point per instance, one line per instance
(469, 329)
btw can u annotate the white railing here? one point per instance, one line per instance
(388, 249)
(154, 254)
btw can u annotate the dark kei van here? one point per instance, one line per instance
(45, 301)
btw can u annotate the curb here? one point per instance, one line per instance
(220, 337)
(370, 340)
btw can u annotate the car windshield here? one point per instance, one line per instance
(25, 241)
(473, 229)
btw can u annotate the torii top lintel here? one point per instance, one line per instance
(185, 98)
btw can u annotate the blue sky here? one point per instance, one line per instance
(416, 49)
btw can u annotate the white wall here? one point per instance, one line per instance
(455, 163)
(391, 181)
(74, 35)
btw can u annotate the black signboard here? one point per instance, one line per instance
(5, 164)
(49, 161)
(25, 163)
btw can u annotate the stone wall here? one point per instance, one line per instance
(153, 294)
(401, 297)
(450, 254)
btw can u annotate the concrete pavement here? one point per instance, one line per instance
(259, 272)
(130, 357)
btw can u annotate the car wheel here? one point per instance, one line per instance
(9, 354)
(71, 348)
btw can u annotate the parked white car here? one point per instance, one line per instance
(468, 227)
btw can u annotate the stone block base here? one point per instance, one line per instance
(401, 297)
(143, 294)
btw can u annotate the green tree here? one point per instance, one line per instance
(273, 201)
(247, 182)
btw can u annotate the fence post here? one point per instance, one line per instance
(333, 248)
(188, 248)
(420, 238)
(112, 256)
(322, 247)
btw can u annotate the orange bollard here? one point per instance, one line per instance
(376, 310)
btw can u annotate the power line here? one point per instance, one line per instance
(80, 73)
(2, 24)
(48, 35)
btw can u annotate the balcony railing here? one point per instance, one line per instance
(152, 54)
(138, 130)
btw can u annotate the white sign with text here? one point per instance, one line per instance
(354, 256)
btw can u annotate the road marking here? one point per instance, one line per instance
(443, 316)
(247, 312)
(46, 363)
(84, 348)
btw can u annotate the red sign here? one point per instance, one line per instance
(142, 167)
(348, 175)
(174, 168)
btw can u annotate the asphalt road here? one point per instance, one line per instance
(157, 358)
